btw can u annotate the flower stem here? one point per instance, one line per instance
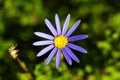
(23, 66)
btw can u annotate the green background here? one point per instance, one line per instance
(19, 19)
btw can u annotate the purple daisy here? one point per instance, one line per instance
(60, 41)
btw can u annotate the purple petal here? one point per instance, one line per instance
(40, 43)
(71, 54)
(77, 37)
(73, 28)
(44, 35)
(67, 57)
(57, 20)
(45, 50)
(65, 27)
(58, 58)
(78, 48)
(49, 58)
(51, 27)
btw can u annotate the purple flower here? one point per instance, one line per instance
(60, 41)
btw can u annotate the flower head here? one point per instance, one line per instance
(13, 52)
(60, 41)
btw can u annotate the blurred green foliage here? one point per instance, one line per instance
(19, 19)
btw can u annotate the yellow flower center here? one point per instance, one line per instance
(60, 41)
